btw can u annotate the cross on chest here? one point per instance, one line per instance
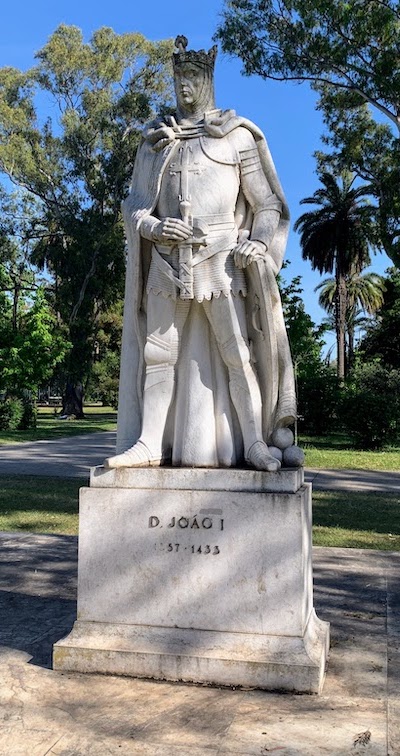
(184, 168)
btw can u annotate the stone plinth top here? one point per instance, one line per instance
(196, 479)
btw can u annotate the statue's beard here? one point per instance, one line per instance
(203, 103)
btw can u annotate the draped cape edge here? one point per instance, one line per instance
(270, 348)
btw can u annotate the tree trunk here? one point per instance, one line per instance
(73, 401)
(350, 356)
(340, 318)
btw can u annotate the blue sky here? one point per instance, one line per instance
(284, 111)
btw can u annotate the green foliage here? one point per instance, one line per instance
(19, 231)
(29, 355)
(364, 294)
(317, 385)
(348, 50)
(306, 339)
(336, 237)
(349, 44)
(337, 234)
(371, 405)
(364, 290)
(104, 379)
(11, 412)
(29, 416)
(319, 395)
(77, 164)
(383, 334)
(372, 151)
(17, 414)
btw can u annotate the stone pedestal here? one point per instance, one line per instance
(197, 575)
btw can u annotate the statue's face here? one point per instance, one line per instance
(189, 82)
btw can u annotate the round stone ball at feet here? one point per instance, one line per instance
(293, 456)
(282, 438)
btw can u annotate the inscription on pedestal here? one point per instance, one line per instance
(181, 523)
(191, 549)
(196, 522)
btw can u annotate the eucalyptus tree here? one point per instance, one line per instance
(69, 129)
(335, 237)
(20, 230)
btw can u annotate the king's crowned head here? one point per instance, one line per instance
(201, 58)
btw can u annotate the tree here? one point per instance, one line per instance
(30, 354)
(19, 231)
(335, 238)
(364, 294)
(347, 50)
(305, 338)
(316, 384)
(104, 379)
(371, 404)
(77, 165)
(382, 339)
(371, 151)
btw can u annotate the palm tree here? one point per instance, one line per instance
(365, 295)
(336, 238)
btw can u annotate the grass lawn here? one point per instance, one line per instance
(35, 504)
(359, 520)
(335, 452)
(356, 520)
(330, 452)
(50, 427)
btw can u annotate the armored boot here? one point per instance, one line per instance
(246, 397)
(148, 450)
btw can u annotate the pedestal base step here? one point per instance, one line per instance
(228, 659)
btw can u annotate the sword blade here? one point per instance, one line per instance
(186, 255)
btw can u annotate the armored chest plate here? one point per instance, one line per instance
(195, 172)
(220, 150)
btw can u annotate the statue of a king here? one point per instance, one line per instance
(206, 372)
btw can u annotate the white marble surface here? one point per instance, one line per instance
(221, 561)
(185, 571)
(227, 659)
(186, 478)
(206, 371)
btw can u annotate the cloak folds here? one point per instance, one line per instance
(207, 407)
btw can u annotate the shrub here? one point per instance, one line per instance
(318, 401)
(371, 405)
(104, 380)
(29, 416)
(11, 412)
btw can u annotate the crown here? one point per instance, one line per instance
(198, 57)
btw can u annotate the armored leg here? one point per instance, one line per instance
(227, 319)
(165, 320)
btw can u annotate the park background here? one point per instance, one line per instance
(286, 112)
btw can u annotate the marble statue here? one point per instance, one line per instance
(206, 372)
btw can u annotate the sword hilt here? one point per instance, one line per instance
(185, 208)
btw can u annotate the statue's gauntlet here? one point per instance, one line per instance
(150, 228)
(265, 223)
